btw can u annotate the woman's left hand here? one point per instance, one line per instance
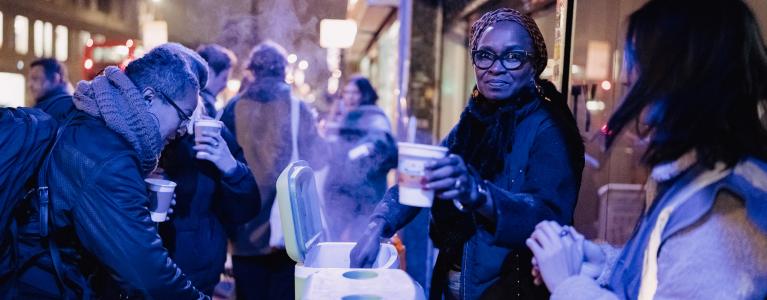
(451, 179)
(558, 253)
(212, 147)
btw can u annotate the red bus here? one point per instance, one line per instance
(98, 56)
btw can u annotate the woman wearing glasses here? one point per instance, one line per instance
(516, 159)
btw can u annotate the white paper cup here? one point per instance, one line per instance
(410, 172)
(212, 126)
(160, 196)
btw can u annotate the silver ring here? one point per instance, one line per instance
(564, 233)
(458, 184)
(215, 145)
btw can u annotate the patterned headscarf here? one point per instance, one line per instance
(511, 15)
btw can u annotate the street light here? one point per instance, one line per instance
(337, 33)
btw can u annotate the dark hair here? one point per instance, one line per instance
(51, 67)
(369, 95)
(170, 68)
(702, 72)
(268, 60)
(219, 58)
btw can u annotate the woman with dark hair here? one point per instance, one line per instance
(358, 92)
(516, 158)
(698, 73)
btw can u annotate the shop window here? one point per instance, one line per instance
(21, 34)
(48, 39)
(37, 40)
(13, 86)
(62, 43)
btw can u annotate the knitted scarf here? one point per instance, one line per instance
(485, 132)
(113, 98)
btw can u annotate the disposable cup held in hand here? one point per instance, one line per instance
(212, 126)
(160, 196)
(411, 171)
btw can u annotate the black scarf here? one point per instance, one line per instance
(485, 133)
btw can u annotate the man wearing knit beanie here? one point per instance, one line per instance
(101, 241)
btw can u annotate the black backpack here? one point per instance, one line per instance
(27, 136)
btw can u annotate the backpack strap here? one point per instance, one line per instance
(44, 207)
(47, 219)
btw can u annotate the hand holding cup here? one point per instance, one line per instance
(211, 146)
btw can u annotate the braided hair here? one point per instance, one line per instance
(511, 15)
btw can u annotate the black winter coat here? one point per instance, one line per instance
(539, 181)
(101, 223)
(206, 202)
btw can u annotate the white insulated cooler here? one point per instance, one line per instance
(322, 268)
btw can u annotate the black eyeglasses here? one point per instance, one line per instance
(181, 114)
(183, 127)
(511, 60)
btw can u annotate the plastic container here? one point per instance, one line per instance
(301, 216)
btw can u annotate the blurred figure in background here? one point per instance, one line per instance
(49, 87)
(358, 92)
(360, 159)
(697, 73)
(220, 61)
(215, 187)
(263, 115)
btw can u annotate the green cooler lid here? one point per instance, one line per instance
(300, 209)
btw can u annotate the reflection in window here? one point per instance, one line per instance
(62, 43)
(21, 34)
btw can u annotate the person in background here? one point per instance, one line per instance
(215, 190)
(262, 118)
(49, 87)
(357, 92)
(360, 160)
(516, 158)
(696, 74)
(102, 242)
(220, 61)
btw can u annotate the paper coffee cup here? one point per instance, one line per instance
(160, 196)
(411, 171)
(213, 126)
